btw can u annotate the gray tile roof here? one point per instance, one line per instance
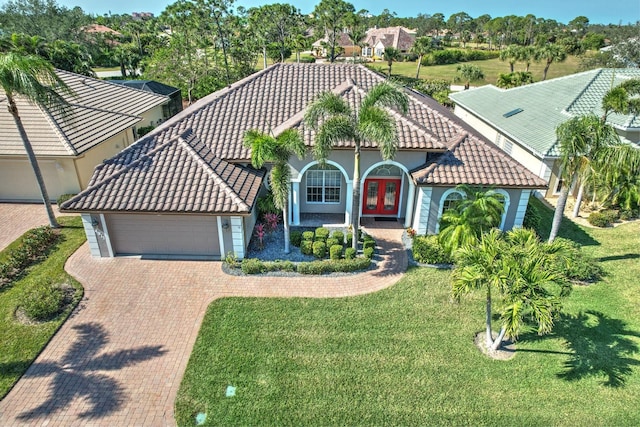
(273, 100)
(545, 105)
(98, 111)
(180, 175)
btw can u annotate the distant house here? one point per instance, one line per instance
(100, 29)
(522, 121)
(377, 39)
(101, 122)
(319, 47)
(175, 104)
(187, 188)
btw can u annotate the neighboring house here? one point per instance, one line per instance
(523, 120)
(101, 122)
(377, 39)
(186, 189)
(175, 104)
(320, 48)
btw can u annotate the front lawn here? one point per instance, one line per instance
(405, 356)
(21, 343)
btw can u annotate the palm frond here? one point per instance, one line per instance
(326, 105)
(376, 125)
(334, 130)
(388, 95)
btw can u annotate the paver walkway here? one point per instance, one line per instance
(16, 218)
(121, 356)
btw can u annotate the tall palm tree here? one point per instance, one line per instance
(35, 80)
(278, 150)
(421, 47)
(391, 54)
(335, 121)
(515, 266)
(550, 53)
(581, 139)
(622, 99)
(478, 212)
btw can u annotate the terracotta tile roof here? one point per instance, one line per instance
(177, 176)
(273, 100)
(470, 161)
(400, 38)
(98, 111)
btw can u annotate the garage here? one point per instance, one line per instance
(175, 235)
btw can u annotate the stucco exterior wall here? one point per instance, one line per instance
(87, 162)
(18, 183)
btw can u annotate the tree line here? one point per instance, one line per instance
(203, 45)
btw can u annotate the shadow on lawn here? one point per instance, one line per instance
(80, 374)
(598, 345)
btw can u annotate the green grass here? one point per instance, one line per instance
(20, 344)
(405, 356)
(491, 68)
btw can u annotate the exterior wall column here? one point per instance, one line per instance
(237, 236)
(294, 202)
(423, 208)
(92, 239)
(348, 203)
(107, 239)
(522, 208)
(221, 238)
(410, 202)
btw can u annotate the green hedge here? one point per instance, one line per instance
(453, 56)
(349, 253)
(427, 250)
(306, 247)
(322, 233)
(335, 251)
(308, 235)
(255, 266)
(43, 302)
(319, 249)
(295, 237)
(33, 246)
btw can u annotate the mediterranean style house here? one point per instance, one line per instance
(101, 121)
(187, 188)
(522, 121)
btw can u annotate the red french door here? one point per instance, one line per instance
(381, 196)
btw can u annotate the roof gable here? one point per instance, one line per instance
(178, 176)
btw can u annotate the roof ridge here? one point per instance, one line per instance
(208, 169)
(583, 90)
(57, 129)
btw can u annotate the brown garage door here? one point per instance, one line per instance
(179, 235)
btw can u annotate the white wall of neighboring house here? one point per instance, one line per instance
(18, 183)
(541, 167)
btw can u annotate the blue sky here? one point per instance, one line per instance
(598, 11)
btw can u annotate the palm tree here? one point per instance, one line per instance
(550, 53)
(390, 55)
(622, 99)
(34, 79)
(266, 148)
(421, 47)
(335, 121)
(515, 266)
(581, 139)
(511, 54)
(478, 212)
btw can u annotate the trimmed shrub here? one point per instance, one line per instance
(349, 253)
(335, 251)
(368, 253)
(575, 265)
(306, 247)
(627, 214)
(331, 241)
(43, 301)
(252, 266)
(308, 235)
(332, 266)
(305, 59)
(231, 260)
(280, 265)
(349, 239)
(338, 235)
(33, 246)
(428, 250)
(319, 249)
(313, 267)
(322, 234)
(295, 237)
(606, 217)
(368, 244)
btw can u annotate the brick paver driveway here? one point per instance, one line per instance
(16, 218)
(121, 356)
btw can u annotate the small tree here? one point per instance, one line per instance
(391, 54)
(422, 46)
(470, 72)
(266, 148)
(478, 212)
(517, 268)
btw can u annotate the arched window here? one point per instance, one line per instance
(449, 200)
